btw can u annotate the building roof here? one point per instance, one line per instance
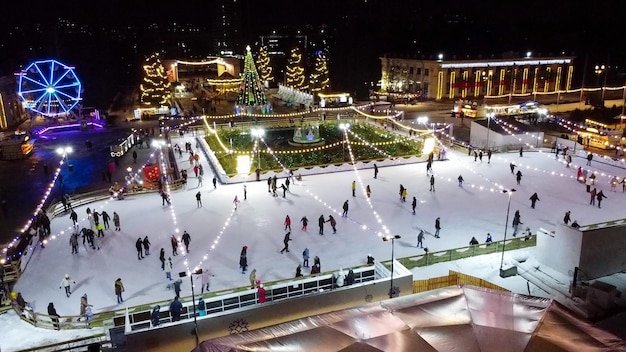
(440, 320)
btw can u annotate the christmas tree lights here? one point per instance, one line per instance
(295, 71)
(155, 89)
(264, 66)
(319, 80)
(251, 91)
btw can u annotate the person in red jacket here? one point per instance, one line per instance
(261, 293)
(287, 223)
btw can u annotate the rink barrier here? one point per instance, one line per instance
(79, 344)
(429, 258)
(138, 318)
(452, 279)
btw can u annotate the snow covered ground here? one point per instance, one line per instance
(218, 232)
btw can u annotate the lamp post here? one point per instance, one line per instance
(258, 133)
(344, 127)
(393, 243)
(64, 152)
(506, 225)
(194, 331)
(598, 70)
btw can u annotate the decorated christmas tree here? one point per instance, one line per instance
(295, 70)
(264, 66)
(251, 91)
(156, 88)
(319, 78)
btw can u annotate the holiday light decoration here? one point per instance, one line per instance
(295, 70)
(251, 90)
(264, 65)
(156, 88)
(320, 79)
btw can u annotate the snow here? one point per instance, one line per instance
(218, 232)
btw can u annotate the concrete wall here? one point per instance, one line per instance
(177, 337)
(603, 251)
(560, 250)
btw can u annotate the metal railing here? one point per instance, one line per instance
(220, 303)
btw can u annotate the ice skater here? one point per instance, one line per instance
(320, 223)
(414, 204)
(286, 240)
(533, 199)
(287, 223)
(305, 223)
(437, 227)
(420, 239)
(345, 209)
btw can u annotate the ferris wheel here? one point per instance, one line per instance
(49, 87)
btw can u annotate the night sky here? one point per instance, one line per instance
(361, 32)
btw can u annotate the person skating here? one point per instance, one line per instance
(405, 192)
(119, 289)
(269, 185)
(368, 191)
(316, 269)
(305, 257)
(370, 259)
(521, 151)
(488, 156)
(162, 258)
(54, 316)
(245, 192)
(512, 166)
(589, 158)
(84, 304)
(516, 222)
(566, 218)
(139, 247)
(432, 183)
(205, 276)
(243, 259)
(284, 188)
(96, 217)
(165, 198)
(65, 283)
(460, 178)
(155, 315)
(414, 205)
(614, 182)
(214, 182)
(575, 224)
(333, 223)
(588, 183)
(473, 241)
(261, 293)
(274, 194)
(105, 219)
(146, 245)
(600, 196)
(174, 242)
(287, 183)
(480, 156)
(420, 239)
(533, 199)
(252, 278)
(401, 190)
(100, 228)
(286, 240)
(74, 217)
(186, 240)
(345, 209)
(74, 242)
(592, 200)
(305, 223)
(475, 155)
(320, 223)
(116, 221)
(375, 171)
(518, 176)
(176, 285)
(287, 223)
(199, 199)
(236, 202)
(354, 188)
(437, 227)
(489, 239)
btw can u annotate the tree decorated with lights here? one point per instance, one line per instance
(319, 79)
(251, 91)
(156, 88)
(263, 65)
(295, 71)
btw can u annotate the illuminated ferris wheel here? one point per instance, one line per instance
(49, 87)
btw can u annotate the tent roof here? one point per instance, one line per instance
(440, 320)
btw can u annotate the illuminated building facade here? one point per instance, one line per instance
(12, 111)
(467, 79)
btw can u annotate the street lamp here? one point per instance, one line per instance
(510, 192)
(258, 133)
(194, 331)
(393, 243)
(344, 127)
(598, 70)
(64, 151)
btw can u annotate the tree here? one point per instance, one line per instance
(156, 88)
(264, 66)
(251, 91)
(295, 70)
(319, 79)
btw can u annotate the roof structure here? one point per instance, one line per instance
(440, 320)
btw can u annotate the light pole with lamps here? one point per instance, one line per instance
(64, 153)
(393, 242)
(505, 273)
(258, 133)
(344, 127)
(194, 331)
